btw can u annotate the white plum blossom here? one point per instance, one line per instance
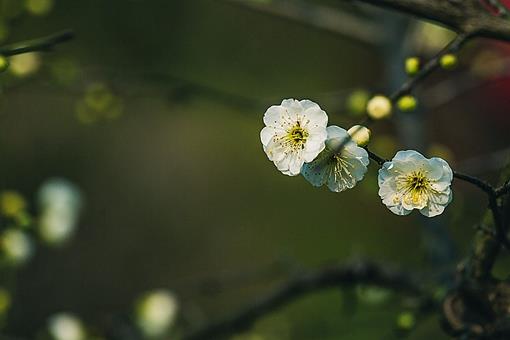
(411, 181)
(60, 202)
(156, 312)
(64, 326)
(16, 246)
(295, 133)
(341, 165)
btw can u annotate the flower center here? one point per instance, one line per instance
(417, 181)
(297, 135)
(416, 186)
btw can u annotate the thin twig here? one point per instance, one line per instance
(42, 44)
(379, 160)
(430, 66)
(465, 16)
(484, 186)
(338, 276)
(504, 189)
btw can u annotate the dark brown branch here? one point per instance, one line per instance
(338, 276)
(463, 16)
(379, 160)
(42, 44)
(484, 186)
(487, 245)
(504, 189)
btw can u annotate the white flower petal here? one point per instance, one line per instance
(408, 155)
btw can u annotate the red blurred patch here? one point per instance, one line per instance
(493, 9)
(496, 98)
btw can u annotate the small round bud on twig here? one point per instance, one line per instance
(448, 61)
(357, 102)
(412, 66)
(360, 134)
(379, 107)
(407, 103)
(406, 321)
(4, 63)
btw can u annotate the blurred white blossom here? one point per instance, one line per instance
(379, 107)
(156, 311)
(60, 203)
(411, 181)
(25, 64)
(65, 326)
(341, 165)
(294, 134)
(16, 246)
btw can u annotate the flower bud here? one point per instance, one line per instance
(60, 203)
(357, 102)
(379, 107)
(39, 7)
(412, 66)
(448, 61)
(407, 103)
(156, 312)
(66, 326)
(406, 321)
(16, 246)
(360, 134)
(11, 203)
(4, 63)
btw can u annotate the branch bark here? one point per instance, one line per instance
(41, 44)
(338, 276)
(462, 16)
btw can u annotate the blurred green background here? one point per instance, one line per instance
(154, 110)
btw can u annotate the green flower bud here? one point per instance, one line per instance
(357, 102)
(406, 321)
(4, 63)
(412, 66)
(448, 61)
(407, 103)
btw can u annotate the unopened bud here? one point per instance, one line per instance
(379, 107)
(412, 66)
(4, 63)
(360, 134)
(406, 321)
(448, 61)
(407, 103)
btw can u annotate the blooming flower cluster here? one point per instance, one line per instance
(297, 140)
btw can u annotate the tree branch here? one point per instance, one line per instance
(338, 276)
(430, 67)
(463, 16)
(484, 186)
(503, 189)
(42, 44)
